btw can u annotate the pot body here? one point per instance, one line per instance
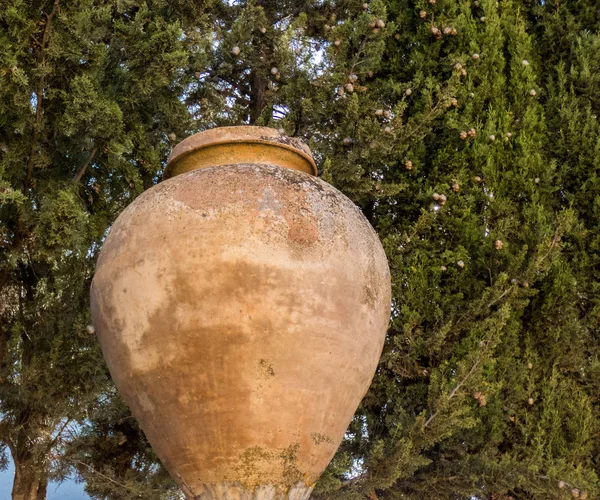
(242, 310)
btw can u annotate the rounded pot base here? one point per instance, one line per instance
(236, 491)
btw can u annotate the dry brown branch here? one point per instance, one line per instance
(77, 177)
(91, 469)
(454, 391)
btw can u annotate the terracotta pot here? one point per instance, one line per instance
(241, 308)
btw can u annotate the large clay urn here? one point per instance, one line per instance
(241, 306)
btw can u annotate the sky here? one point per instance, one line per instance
(69, 490)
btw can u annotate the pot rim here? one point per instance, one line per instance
(237, 134)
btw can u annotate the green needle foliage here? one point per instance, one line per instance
(467, 132)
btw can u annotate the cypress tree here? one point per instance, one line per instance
(89, 107)
(466, 132)
(487, 386)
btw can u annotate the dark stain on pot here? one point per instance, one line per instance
(372, 286)
(266, 369)
(319, 438)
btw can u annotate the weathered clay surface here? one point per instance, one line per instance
(242, 311)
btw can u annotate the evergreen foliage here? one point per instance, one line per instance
(467, 132)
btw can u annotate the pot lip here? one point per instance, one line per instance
(238, 134)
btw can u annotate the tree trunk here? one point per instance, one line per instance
(30, 483)
(258, 81)
(257, 100)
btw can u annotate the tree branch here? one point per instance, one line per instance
(453, 392)
(77, 177)
(5, 436)
(58, 434)
(91, 469)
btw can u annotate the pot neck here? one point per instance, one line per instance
(235, 145)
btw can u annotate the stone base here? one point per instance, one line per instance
(235, 491)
